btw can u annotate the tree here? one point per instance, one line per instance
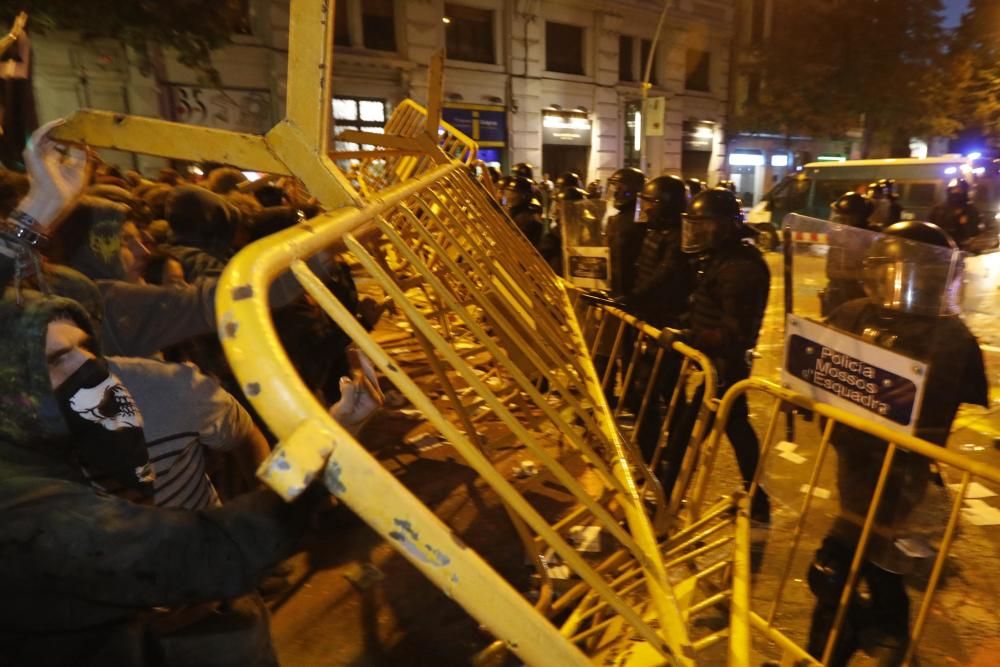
(975, 67)
(193, 27)
(875, 65)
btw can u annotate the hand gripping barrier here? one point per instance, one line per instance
(785, 628)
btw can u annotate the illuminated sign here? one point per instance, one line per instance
(746, 160)
(563, 128)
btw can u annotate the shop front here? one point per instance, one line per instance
(566, 139)
(486, 125)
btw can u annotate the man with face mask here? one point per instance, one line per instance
(83, 569)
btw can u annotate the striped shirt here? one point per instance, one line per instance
(183, 412)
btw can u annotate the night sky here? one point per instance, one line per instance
(953, 11)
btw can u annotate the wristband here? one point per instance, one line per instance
(23, 219)
(13, 230)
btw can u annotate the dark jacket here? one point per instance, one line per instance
(662, 280)
(727, 306)
(81, 570)
(625, 240)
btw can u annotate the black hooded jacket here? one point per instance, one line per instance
(80, 570)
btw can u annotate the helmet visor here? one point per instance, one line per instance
(910, 285)
(698, 234)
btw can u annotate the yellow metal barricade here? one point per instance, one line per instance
(469, 277)
(781, 625)
(638, 356)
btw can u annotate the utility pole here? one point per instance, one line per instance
(646, 85)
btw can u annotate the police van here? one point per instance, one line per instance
(920, 184)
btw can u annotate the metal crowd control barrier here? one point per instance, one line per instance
(765, 620)
(488, 286)
(636, 354)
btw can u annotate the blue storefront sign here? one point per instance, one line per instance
(487, 125)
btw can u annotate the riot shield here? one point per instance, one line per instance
(874, 327)
(586, 256)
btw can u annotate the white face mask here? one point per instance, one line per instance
(108, 404)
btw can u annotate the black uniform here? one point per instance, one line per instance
(731, 285)
(879, 621)
(961, 220)
(662, 280)
(659, 296)
(625, 240)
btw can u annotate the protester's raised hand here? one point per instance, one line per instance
(58, 174)
(17, 29)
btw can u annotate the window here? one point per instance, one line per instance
(645, 47)
(469, 34)
(921, 194)
(378, 25)
(357, 113)
(625, 59)
(341, 30)
(563, 48)
(697, 70)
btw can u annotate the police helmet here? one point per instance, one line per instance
(695, 186)
(914, 267)
(570, 179)
(594, 189)
(958, 191)
(727, 185)
(663, 200)
(518, 191)
(523, 170)
(713, 217)
(624, 186)
(883, 187)
(571, 194)
(851, 209)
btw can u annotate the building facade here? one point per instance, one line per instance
(552, 82)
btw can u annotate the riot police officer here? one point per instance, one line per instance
(518, 197)
(623, 233)
(569, 179)
(958, 216)
(728, 299)
(551, 244)
(885, 207)
(594, 189)
(695, 186)
(660, 293)
(844, 258)
(914, 282)
(523, 170)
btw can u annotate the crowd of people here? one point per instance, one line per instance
(132, 531)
